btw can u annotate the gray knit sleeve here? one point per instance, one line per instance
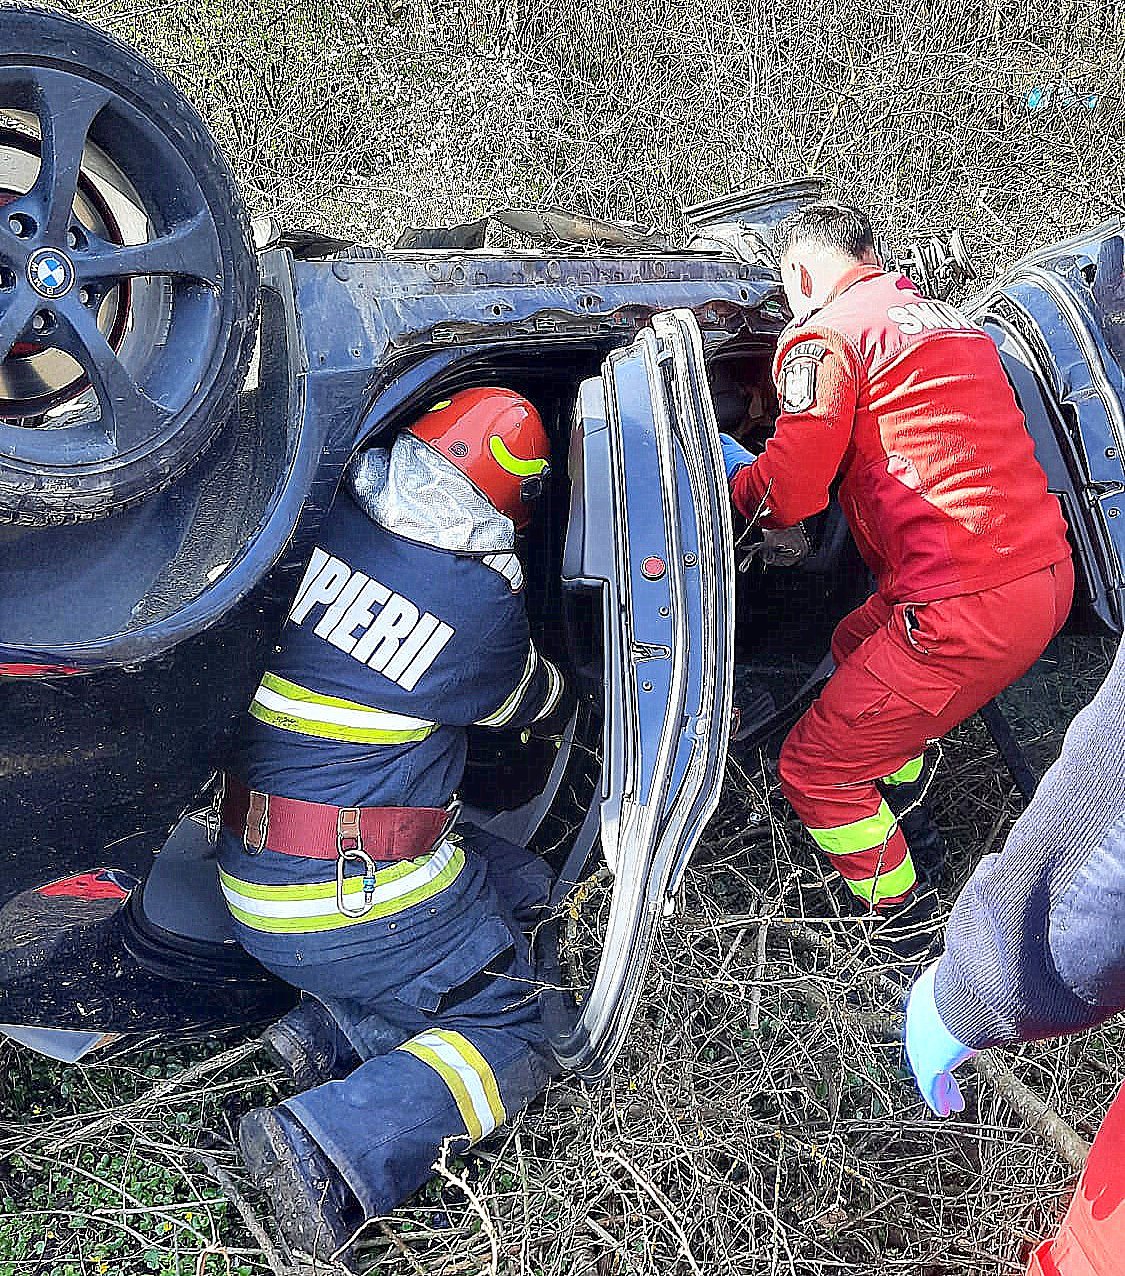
(1035, 945)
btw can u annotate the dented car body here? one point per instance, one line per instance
(162, 603)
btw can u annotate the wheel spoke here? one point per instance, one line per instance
(14, 319)
(128, 414)
(192, 249)
(67, 107)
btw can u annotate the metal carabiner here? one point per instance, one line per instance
(214, 815)
(452, 815)
(368, 863)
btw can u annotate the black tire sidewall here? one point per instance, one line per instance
(46, 494)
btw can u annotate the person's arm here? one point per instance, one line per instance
(1035, 945)
(538, 700)
(817, 376)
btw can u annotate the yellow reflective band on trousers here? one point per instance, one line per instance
(907, 773)
(304, 908)
(467, 1076)
(889, 885)
(285, 704)
(867, 835)
(860, 835)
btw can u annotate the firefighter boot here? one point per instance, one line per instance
(314, 1211)
(309, 1047)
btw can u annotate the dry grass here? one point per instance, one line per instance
(760, 1120)
(360, 117)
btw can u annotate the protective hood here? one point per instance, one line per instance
(416, 493)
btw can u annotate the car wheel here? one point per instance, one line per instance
(128, 284)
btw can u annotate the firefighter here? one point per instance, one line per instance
(341, 859)
(905, 402)
(1035, 948)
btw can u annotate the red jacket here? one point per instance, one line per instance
(907, 402)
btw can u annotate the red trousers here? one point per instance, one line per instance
(1091, 1241)
(905, 675)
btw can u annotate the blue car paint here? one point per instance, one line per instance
(109, 761)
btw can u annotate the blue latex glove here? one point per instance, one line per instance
(932, 1051)
(735, 456)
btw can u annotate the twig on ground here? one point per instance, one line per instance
(441, 1166)
(658, 1199)
(279, 1266)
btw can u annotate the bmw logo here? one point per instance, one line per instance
(50, 272)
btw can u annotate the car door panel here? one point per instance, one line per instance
(651, 536)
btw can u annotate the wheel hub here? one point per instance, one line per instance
(50, 272)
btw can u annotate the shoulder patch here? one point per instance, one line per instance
(508, 566)
(797, 377)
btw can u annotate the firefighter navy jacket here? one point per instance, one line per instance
(906, 401)
(391, 650)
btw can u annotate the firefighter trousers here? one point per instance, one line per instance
(1091, 1241)
(439, 999)
(906, 674)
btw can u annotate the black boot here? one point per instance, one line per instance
(911, 931)
(927, 846)
(313, 1208)
(309, 1046)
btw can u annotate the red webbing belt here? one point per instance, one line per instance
(315, 829)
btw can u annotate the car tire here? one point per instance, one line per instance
(156, 325)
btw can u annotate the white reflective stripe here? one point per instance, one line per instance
(470, 1077)
(554, 695)
(508, 565)
(385, 892)
(510, 706)
(374, 719)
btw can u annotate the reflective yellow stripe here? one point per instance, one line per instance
(320, 890)
(514, 464)
(303, 909)
(861, 835)
(508, 709)
(886, 885)
(466, 1075)
(907, 773)
(291, 707)
(554, 694)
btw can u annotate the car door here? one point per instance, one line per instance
(1059, 321)
(649, 555)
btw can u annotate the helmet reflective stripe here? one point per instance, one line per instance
(467, 1076)
(291, 707)
(514, 464)
(304, 908)
(508, 709)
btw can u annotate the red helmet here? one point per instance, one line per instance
(496, 439)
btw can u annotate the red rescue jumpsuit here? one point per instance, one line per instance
(906, 402)
(1091, 1241)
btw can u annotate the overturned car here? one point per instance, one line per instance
(179, 398)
